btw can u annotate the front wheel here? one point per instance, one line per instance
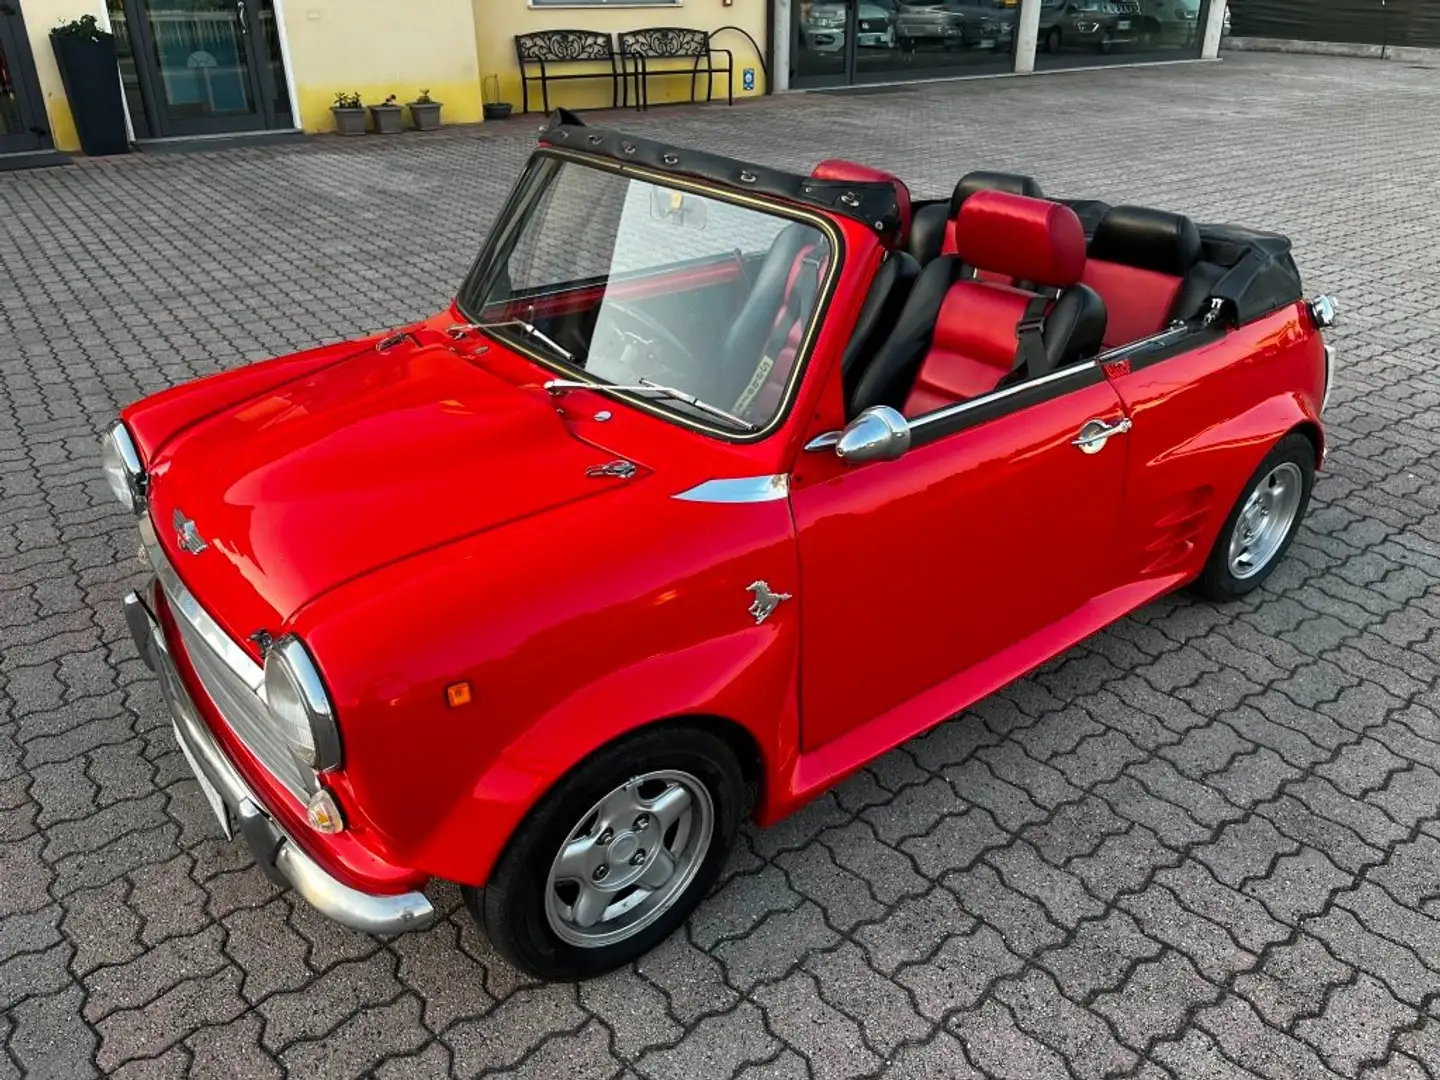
(1263, 521)
(1052, 40)
(616, 855)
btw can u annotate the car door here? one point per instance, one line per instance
(990, 528)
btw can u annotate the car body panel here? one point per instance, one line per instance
(423, 514)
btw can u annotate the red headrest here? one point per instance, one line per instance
(1026, 239)
(835, 169)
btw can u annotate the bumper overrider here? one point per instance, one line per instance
(283, 860)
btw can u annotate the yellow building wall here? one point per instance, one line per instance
(381, 47)
(498, 21)
(41, 16)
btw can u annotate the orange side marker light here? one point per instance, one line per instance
(457, 694)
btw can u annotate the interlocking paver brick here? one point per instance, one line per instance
(1209, 830)
(830, 1041)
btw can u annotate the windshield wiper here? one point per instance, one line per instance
(531, 331)
(560, 386)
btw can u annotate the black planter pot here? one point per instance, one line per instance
(90, 73)
(497, 110)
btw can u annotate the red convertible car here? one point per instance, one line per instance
(714, 483)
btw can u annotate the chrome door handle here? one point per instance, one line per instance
(241, 13)
(1096, 433)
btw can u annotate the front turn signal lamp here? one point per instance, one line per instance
(323, 813)
(296, 697)
(120, 462)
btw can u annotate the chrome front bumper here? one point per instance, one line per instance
(283, 860)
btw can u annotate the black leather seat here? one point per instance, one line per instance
(1147, 266)
(959, 338)
(932, 230)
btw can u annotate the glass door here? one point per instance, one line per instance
(22, 116)
(848, 42)
(201, 67)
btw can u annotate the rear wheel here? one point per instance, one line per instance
(616, 855)
(1263, 521)
(1052, 40)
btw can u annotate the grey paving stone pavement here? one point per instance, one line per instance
(1204, 843)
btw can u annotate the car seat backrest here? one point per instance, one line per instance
(932, 233)
(1139, 261)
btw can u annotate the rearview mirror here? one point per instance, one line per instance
(877, 434)
(678, 208)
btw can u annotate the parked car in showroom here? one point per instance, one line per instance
(702, 494)
(1088, 24)
(954, 24)
(822, 29)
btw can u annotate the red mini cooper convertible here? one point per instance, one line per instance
(714, 483)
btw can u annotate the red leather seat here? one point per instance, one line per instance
(1139, 262)
(836, 169)
(933, 233)
(958, 338)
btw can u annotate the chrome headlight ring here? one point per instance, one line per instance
(296, 697)
(120, 461)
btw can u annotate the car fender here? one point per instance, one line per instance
(1225, 456)
(715, 682)
(559, 657)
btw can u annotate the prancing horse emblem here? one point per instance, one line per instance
(765, 601)
(186, 535)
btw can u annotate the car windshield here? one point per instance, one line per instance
(655, 289)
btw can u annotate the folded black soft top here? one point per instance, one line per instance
(1261, 275)
(872, 202)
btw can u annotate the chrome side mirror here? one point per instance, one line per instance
(877, 434)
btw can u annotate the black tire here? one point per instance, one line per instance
(511, 907)
(1217, 582)
(1052, 40)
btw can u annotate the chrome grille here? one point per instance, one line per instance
(229, 677)
(246, 714)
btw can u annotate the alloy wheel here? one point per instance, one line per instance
(629, 858)
(1265, 520)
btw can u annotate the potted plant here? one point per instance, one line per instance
(389, 117)
(494, 109)
(349, 114)
(425, 112)
(90, 73)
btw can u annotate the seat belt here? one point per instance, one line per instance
(1030, 338)
(803, 290)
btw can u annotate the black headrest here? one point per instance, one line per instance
(981, 180)
(1147, 239)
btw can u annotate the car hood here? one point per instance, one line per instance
(317, 481)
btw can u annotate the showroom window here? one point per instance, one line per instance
(1074, 33)
(605, 3)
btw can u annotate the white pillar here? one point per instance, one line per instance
(1213, 25)
(780, 50)
(1027, 35)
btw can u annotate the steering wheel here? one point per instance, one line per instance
(649, 323)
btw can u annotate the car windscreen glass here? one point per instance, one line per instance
(639, 284)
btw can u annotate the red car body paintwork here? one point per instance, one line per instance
(422, 515)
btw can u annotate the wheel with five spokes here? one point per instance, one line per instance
(616, 856)
(1263, 521)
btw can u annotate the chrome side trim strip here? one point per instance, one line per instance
(922, 422)
(184, 604)
(739, 489)
(1329, 378)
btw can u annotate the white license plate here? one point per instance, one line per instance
(1123, 24)
(212, 796)
(985, 43)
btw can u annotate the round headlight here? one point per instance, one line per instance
(123, 472)
(297, 699)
